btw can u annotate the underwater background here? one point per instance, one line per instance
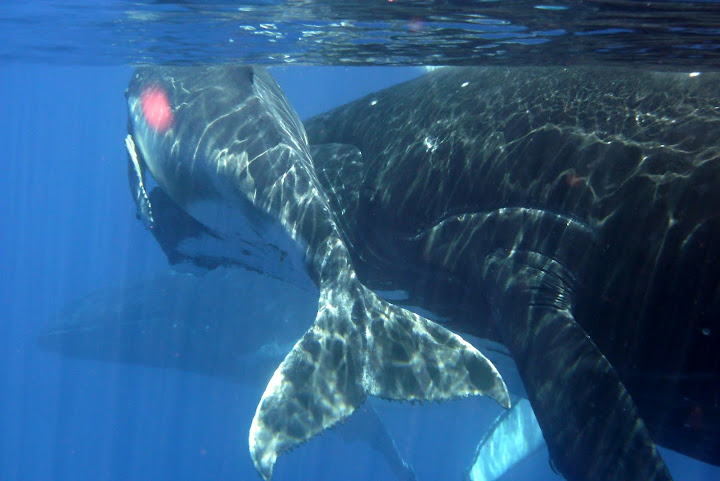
(68, 228)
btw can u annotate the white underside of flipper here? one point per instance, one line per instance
(514, 436)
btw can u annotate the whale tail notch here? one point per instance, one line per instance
(358, 345)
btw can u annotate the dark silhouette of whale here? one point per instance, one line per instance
(218, 324)
(225, 146)
(571, 214)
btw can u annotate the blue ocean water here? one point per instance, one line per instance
(68, 228)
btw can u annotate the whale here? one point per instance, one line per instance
(576, 209)
(224, 145)
(189, 322)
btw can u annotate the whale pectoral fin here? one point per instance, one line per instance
(589, 422)
(513, 436)
(136, 177)
(367, 427)
(360, 345)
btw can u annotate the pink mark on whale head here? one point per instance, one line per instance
(156, 108)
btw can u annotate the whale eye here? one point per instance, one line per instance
(156, 108)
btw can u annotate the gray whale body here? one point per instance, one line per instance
(228, 151)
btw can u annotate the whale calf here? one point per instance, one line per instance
(225, 146)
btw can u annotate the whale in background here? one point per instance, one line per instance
(190, 323)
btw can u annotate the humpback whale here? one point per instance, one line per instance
(570, 214)
(225, 146)
(577, 209)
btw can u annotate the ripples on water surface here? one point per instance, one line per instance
(663, 34)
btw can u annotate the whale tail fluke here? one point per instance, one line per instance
(358, 345)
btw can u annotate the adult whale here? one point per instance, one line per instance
(579, 210)
(225, 146)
